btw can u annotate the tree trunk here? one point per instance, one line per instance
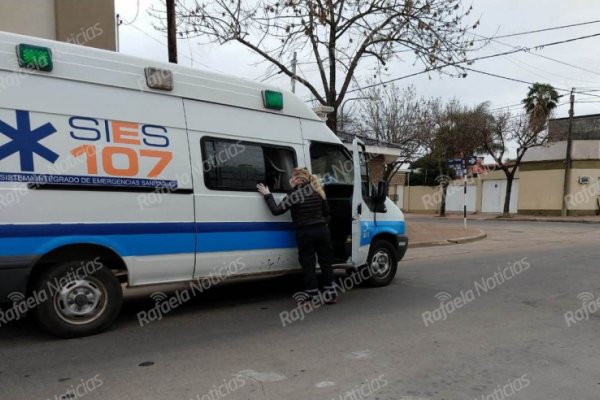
(442, 178)
(332, 122)
(390, 170)
(509, 182)
(443, 204)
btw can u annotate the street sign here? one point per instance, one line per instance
(456, 164)
(460, 167)
(461, 163)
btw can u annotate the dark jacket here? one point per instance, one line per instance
(307, 206)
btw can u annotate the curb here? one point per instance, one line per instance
(543, 220)
(467, 239)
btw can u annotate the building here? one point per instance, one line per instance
(379, 154)
(486, 190)
(585, 127)
(539, 183)
(542, 170)
(83, 22)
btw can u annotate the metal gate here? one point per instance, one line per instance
(494, 190)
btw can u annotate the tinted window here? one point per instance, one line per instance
(232, 165)
(279, 163)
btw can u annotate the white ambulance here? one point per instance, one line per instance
(119, 172)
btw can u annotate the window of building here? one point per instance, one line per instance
(235, 165)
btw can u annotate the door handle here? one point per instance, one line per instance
(359, 209)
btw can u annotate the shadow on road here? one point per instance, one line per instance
(252, 291)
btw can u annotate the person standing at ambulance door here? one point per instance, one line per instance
(310, 215)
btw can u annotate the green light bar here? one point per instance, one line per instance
(273, 100)
(34, 57)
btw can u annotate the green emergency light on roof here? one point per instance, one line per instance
(34, 57)
(273, 100)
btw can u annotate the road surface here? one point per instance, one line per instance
(483, 320)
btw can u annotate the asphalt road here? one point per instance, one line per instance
(505, 336)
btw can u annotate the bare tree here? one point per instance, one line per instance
(335, 35)
(495, 132)
(396, 117)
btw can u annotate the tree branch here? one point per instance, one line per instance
(283, 69)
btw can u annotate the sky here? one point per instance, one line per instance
(138, 37)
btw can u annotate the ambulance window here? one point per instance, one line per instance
(366, 185)
(231, 165)
(279, 163)
(332, 164)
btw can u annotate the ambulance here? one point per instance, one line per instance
(118, 172)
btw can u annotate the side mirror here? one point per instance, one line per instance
(382, 191)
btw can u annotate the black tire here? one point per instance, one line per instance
(383, 250)
(72, 288)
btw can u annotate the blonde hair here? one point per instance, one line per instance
(305, 176)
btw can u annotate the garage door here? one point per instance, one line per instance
(400, 196)
(492, 200)
(455, 198)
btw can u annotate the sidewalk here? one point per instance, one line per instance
(589, 219)
(426, 234)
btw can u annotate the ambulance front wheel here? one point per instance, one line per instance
(382, 263)
(78, 302)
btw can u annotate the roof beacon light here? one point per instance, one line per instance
(161, 79)
(273, 100)
(34, 57)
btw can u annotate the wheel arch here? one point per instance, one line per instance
(68, 252)
(389, 237)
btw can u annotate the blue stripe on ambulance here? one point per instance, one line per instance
(369, 229)
(146, 239)
(241, 236)
(127, 239)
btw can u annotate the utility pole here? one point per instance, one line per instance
(171, 31)
(117, 26)
(407, 205)
(567, 181)
(294, 63)
(465, 194)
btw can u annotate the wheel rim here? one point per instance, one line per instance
(380, 264)
(80, 301)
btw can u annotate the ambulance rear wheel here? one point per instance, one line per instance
(80, 302)
(382, 263)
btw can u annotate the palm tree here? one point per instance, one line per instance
(541, 100)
